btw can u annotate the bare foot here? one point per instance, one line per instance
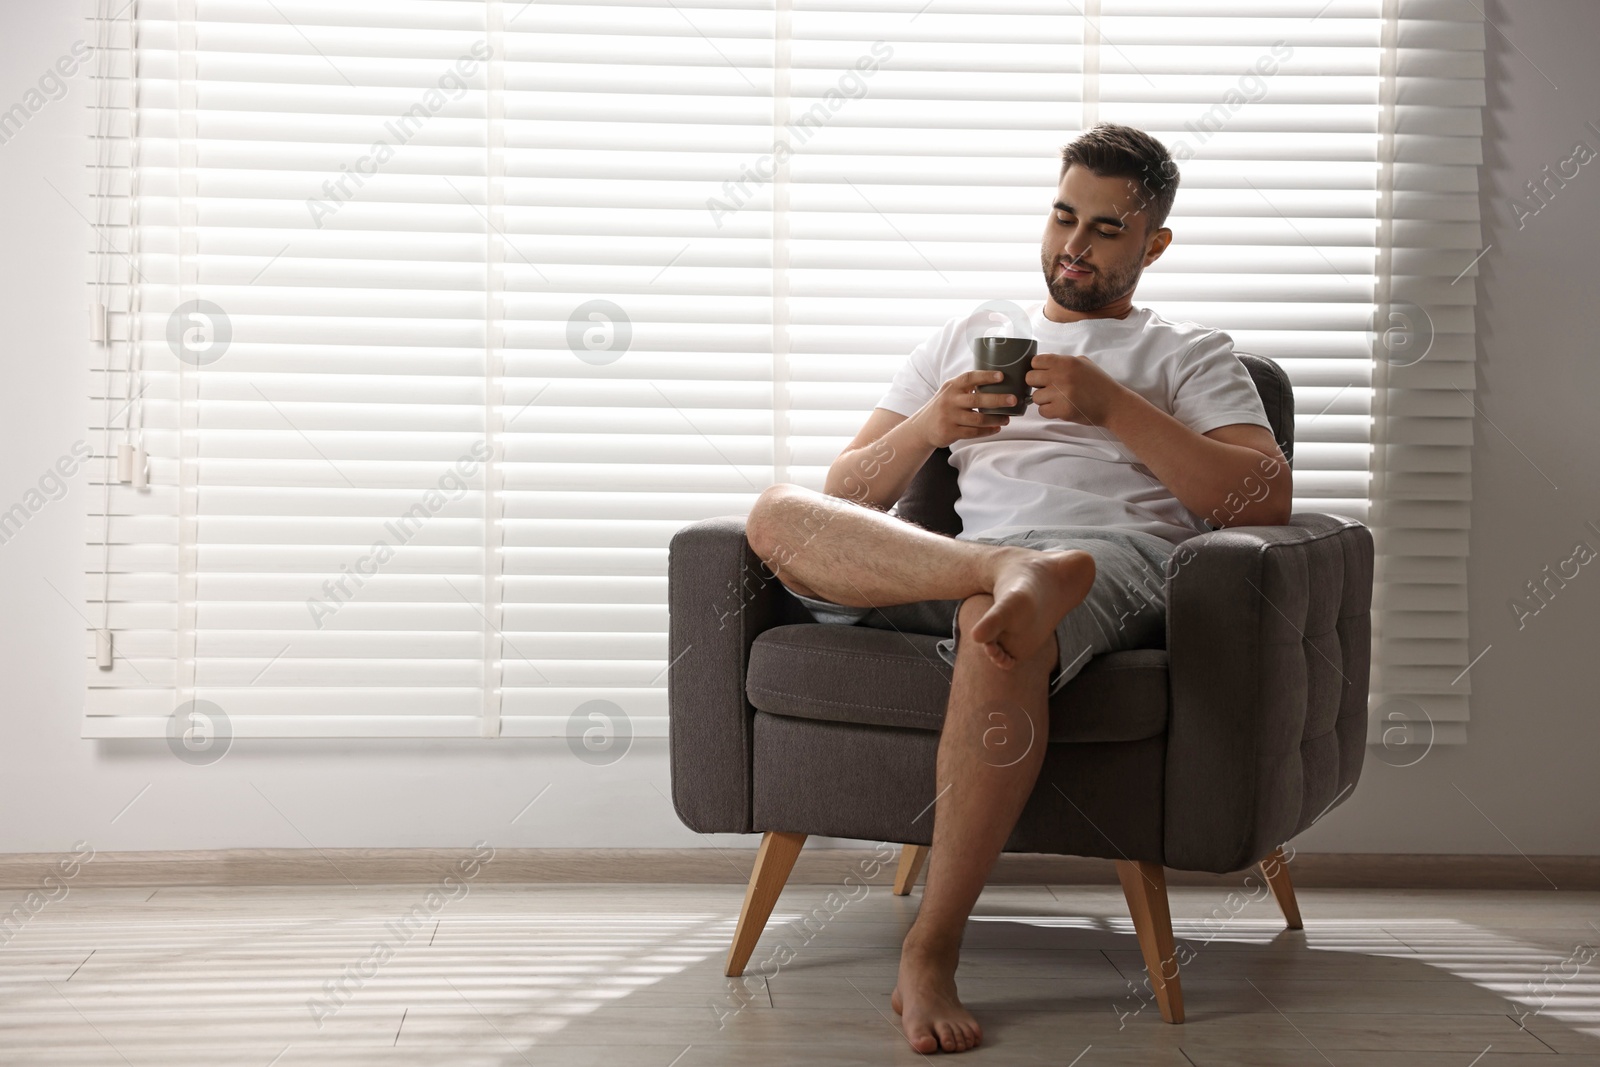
(1032, 591)
(925, 999)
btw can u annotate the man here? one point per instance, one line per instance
(1140, 430)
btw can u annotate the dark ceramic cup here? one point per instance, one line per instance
(1011, 356)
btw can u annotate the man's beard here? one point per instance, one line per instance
(1098, 290)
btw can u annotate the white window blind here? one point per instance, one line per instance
(1328, 218)
(620, 266)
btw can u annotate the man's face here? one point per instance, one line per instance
(1095, 241)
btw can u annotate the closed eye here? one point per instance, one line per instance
(1068, 220)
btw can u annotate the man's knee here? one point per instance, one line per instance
(763, 527)
(775, 529)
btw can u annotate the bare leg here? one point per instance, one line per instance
(993, 740)
(826, 546)
(823, 546)
(990, 751)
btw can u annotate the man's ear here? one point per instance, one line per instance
(1158, 244)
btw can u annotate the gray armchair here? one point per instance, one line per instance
(1206, 755)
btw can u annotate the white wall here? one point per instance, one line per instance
(1535, 737)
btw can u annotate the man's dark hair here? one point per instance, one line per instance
(1114, 151)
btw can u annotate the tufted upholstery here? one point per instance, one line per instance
(1268, 644)
(780, 723)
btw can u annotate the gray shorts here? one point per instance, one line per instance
(1126, 608)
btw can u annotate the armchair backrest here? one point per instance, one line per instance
(930, 499)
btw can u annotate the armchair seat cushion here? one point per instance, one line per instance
(874, 677)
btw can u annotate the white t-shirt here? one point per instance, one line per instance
(1039, 472)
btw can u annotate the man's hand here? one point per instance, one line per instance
(950, 417)
(1074, 389)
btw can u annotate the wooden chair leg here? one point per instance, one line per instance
(1145, 886)
(774, 860)
(1275, 869)
(912, 858)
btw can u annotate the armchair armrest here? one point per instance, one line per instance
(719, 598)
(1268, 645)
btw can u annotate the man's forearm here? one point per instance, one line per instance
(878, 473)
(1232, 485)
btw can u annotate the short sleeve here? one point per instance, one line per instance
(1212, 388)
(918, 378)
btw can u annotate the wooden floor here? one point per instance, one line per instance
(579, 975)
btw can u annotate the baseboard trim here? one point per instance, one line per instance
(410, 866)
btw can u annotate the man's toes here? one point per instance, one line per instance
(947, 1037)
(989, 624)
(923, 1042)
(999, 656)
